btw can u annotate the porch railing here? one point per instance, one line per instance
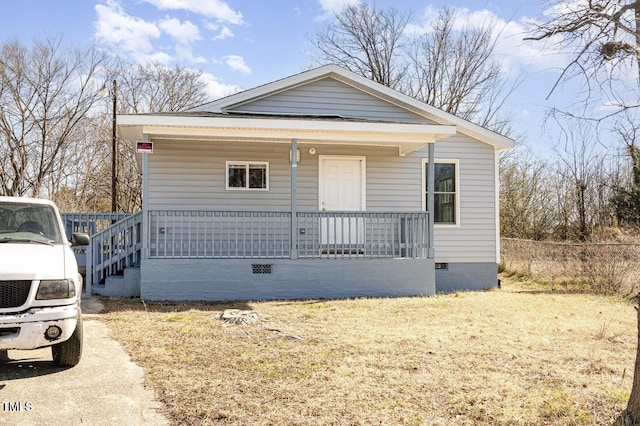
(219, 234)
(362, 235)
(271, 234)
(115, 248)
(90, 223)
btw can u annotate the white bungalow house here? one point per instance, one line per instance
(319, 185)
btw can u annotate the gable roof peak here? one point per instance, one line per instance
(224, 103)
(366, 85)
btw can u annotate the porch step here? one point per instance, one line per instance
(126, 285)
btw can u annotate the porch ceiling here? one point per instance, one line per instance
(405, 136)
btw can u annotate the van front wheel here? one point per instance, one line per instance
(68, 353)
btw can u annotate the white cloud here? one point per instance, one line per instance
(511, 48)
(185, 53)
(114, 27)
(532, 56)
(566, 8)
(607, 108)
(225, 32)
(183, 32)
(168, 38)
(217, 9)
(199, 59)
(154, 58)
(216, 89)
(237, 63)
(332, 7)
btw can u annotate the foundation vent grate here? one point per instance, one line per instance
(260, 268)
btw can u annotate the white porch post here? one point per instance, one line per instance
(294, 201)
(430, 199)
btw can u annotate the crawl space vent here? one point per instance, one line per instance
(259, 268)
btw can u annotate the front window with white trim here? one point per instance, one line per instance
(248, 175)
(446, 192)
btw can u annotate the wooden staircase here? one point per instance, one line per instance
(111, 263)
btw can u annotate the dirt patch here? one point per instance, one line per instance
(511, 356)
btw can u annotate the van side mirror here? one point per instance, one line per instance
(80, 239)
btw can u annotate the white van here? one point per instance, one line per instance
(40, 286)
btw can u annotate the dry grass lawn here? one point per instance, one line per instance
(516, 356)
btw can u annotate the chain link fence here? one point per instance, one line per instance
(606, 268)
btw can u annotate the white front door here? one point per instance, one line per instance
(342, 189)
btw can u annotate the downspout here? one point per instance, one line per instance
(294, 210)
(431, 251)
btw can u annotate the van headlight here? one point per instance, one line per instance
(56, 289)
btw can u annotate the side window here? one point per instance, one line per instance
(247, 175)
(445, 195)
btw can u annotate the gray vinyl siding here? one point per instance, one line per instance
(474, 240)
(191, 175)
(393, 182)
(330, 97)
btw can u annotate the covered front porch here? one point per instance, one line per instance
(266, 255)
(224, 254)
(304, 244)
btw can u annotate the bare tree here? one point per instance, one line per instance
(449, 68)
(88, 187)
(45, 93)
(604, 38)
(627, 196)
(453, 69)
(366, 41)
(580, 164)
(525, 199)
(157, 88)
(55, 129)
(142, 88)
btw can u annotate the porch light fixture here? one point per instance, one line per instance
(312, 151)
(105, 92)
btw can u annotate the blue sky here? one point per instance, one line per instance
(240, 44)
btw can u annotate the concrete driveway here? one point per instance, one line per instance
(105, 388)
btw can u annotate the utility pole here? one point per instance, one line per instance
(114, 151)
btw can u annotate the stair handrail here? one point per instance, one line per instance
(125, 234)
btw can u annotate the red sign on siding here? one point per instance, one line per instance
(144, 147)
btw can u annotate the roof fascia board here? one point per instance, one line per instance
(179, 123)
(355, 137)
(406, 137)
